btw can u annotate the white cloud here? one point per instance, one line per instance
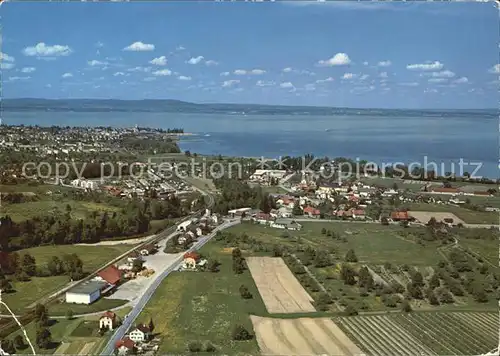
(182, 77)
(365, 63)
(337, 60)
(428, 66)
(211, 62)
(13, 79)
(310, 87)
(438, 80)
(180, 48)
(431, 90)
(139, 69)
(224, 74)
(461, 80)
(140, 47)
(196, 60)
(159, 61)
(99, 44)
(383, 75)
(7, 65)
(28, 70)
(409, 84)
(120, 74)
(257, 71)
(287, 70)
(230, 83)
(495, 69)
(4, 57)
(43, 50)
(95, 63)
(240, 72)
(329, 79)
(149, 79)
(67, 75)
(48, 85)
(162, 73)
(364, 77)
(384, 63)
(287, 85)
(348, 76)
(443, 74)
(265, 83)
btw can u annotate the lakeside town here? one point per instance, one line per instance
(186, 224)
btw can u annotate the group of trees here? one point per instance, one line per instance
(237, 194)
(132, 218)
(23, 267)
(238, 261)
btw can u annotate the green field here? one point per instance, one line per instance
(103, 304)
(373, 243)
(468, 216)
(93, 257)
(70, 337)
(204, 306)
(79, 209)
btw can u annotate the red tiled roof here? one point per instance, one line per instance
(111, 274)
(108, 314)
(311, 210)
(192, 255)
(129, 344)
(400, 215)
(358, 212)
(263, 216)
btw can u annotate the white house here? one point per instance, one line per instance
(183, 226)
(108, 321)
(86, 293)
(140, 334)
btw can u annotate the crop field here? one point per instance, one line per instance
(303, 336)
(436, 333)
(278, 287)
(468, 216)
(425, 216)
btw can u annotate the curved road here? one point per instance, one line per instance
(132, 316)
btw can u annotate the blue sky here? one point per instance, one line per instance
(406, 55)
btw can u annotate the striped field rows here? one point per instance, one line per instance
(437, 333)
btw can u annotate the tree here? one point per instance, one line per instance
(434, 281)
(19, 342)
(213, 265)
(151, 325)
(69, 314)
(5, 285)
(350, 311)
(405, 306)
(209, 347)
(55, 266)
(43, 338)
(137, 265)
(28, 264)
(297, 210)
(418, 279)
(323, 231)
(8, 346)
(41, 315)
(414, 291)
(347, 274)
(351, 256)
(195, 346)
(241, 334)
(384, 221)
(365, 278)
(245, 293)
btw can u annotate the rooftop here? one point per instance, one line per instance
(88, 287)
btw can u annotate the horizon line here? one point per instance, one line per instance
(254, 104)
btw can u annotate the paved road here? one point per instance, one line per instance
(132, 316)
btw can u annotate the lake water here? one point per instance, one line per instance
(389, 139)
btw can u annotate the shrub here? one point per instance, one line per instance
(241, 334)
(195, 346)
(245, 293)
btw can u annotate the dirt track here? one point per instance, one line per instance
(278, 287)
(303, 336)
(425, 216)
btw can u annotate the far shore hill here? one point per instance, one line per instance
(169, 105)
